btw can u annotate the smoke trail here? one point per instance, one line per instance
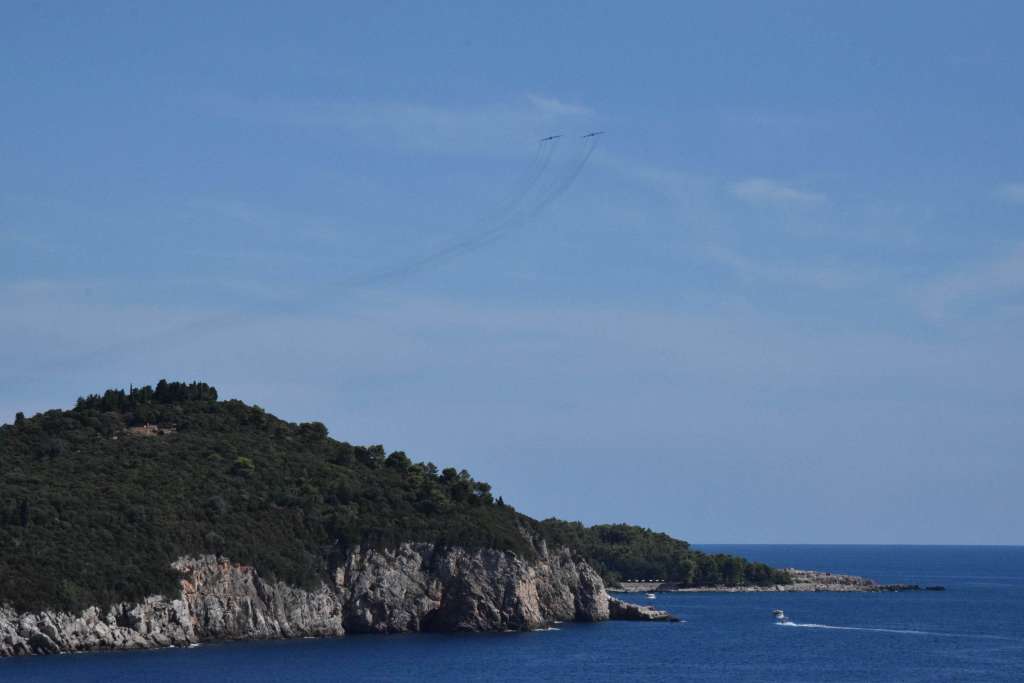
(487, 236)
(543, 152)
(559, 188)
(509, 215)
(505, 217)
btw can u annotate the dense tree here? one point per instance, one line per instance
(625, 552)
(93, 511)
(165, 393)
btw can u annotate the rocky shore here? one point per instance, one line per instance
(803, 581)
(415, 587)
(627, 611)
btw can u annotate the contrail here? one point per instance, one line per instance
(509, 215)
(504, 217)
(545, 149)
(558, 189)
(488, 236)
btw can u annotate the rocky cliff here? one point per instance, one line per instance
(415, 587)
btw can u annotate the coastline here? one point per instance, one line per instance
(803, 581)
(415, 587)
(725, 637)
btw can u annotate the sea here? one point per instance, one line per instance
(974, 630)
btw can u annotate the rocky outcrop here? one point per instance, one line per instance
(419, 588)
(627, 611)
(415, 587)
(806, 580)
(218, 600)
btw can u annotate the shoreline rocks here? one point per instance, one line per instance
(414, 587)
(627, 611)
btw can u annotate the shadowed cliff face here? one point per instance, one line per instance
(418, 588)
(415, 587)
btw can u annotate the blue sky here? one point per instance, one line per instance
(782, 301)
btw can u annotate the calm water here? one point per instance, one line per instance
(974, 630)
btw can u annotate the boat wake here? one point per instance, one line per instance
(893, 630)
(860, 628)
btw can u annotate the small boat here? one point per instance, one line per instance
(779, 615)
(651, 596)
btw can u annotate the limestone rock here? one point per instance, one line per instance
(414, 587)
(627, 611)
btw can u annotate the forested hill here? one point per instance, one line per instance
(97, 501)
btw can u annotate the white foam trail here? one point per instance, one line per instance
(862, 628)
(894, 630)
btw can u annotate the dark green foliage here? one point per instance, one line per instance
(139, 397)
(94, 507)
(621, 552)
(91, 512)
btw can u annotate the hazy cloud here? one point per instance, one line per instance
(999, 276)
(1011, 192)
(767, 191)
(552, 105)
(826, 277)
(485, 128)
(524, 380)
